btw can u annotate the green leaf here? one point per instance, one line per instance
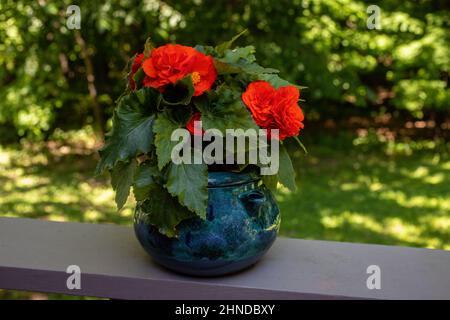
(121, 179)
(149, 99)
(254, 68)
(230, 116)
(275, 80)
(234, 56)
(189, 183)
(225, 68)
(270, 181)
(179, 94)
(208, 50)
(286, 173)
(241, 60)
(301, 145)
(138, 77)
(131, 132)
(227, 112)
(163, 211)
(163, 128)
(220, 49)
(129, 66)
(148, 47)
(145, 179)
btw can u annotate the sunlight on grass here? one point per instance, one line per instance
(352, 195)
(47, 185)
(353, 218)
(358, 195)
(439, 223)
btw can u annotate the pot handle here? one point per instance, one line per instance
(253, 201)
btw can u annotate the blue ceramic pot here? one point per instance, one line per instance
(242, 223)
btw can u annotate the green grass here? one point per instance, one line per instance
(357, 189)
(370, 197)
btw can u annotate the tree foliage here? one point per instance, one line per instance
(53, 77)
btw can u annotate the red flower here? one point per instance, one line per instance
(167, 64)
(286, 112)
(258, 98)
(203, 73)
(275, 108)
(134, 68)
(172, 62)
(190, 124)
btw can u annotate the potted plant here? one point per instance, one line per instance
(203, 207)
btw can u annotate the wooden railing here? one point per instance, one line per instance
(35, 255)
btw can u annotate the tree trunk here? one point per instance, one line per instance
(90, 77)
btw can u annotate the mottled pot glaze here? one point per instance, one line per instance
(242, 223)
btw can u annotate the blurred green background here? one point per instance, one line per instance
(377, 107)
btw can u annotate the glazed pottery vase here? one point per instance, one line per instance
(242, 222)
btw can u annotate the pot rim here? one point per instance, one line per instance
(218, 179)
